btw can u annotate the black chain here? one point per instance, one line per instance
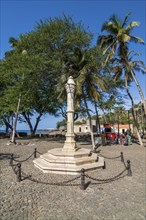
(109, 157)
(64, 183)
(14, 167)
(24, 175)
(124, 164)
(38, 152)
(108, 179)
(20, 161)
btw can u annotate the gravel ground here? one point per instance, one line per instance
(117, 200)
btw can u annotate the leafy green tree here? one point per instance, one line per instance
(46, 46)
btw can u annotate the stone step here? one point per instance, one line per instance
(65, 168)
(68, 160)
(81, 152)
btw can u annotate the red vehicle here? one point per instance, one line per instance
(109, 131)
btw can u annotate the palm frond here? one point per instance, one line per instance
(137, 39)
(126, 19)
(104, 41)
(115, 20)
(132, 25)
(110, 28)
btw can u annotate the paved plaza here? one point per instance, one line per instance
(117, 200)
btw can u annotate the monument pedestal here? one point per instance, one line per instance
(68, 162)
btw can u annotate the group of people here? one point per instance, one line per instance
(124, 139)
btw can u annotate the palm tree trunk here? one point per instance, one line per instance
(140, 91)
(118, 125)
(129, 119)
(104, 117)
(135, 122)
(90, 123)
(137, 84)
(97, 118)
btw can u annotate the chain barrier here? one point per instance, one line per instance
(16, 168)
(21, 161)
(21, 175)
(39, 152)
(99, 154)
(108, 157)
(63, 183)
(124, 164)
(34, 153)
(106, 180)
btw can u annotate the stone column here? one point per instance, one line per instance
(70, 143)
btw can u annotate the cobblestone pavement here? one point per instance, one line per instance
(123, 199)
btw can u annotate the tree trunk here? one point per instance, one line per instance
(137, 84)
(7, 129)
(90, 124)
(129, 119)
(97, 118)
(142, 121)
(37, 122)
(118, 124)
(15, 120)
(27, 118)
(7, 124)
(140, 91)
(104, 117)
(135, 122)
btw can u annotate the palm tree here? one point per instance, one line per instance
(83, 66)
(88, 84)
(122, 69)
(118, 37)
(117, 40)
(130, 68)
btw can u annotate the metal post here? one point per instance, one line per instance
(129, 172)
(35, 152)
(11, 160)
(19, 172)
(104, 166)
(122, 157)
(82, 186)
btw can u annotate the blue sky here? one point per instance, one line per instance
(18, 17)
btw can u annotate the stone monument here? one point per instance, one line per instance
(70, 159)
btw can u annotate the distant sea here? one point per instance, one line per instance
(26, 131)
(38, 131)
